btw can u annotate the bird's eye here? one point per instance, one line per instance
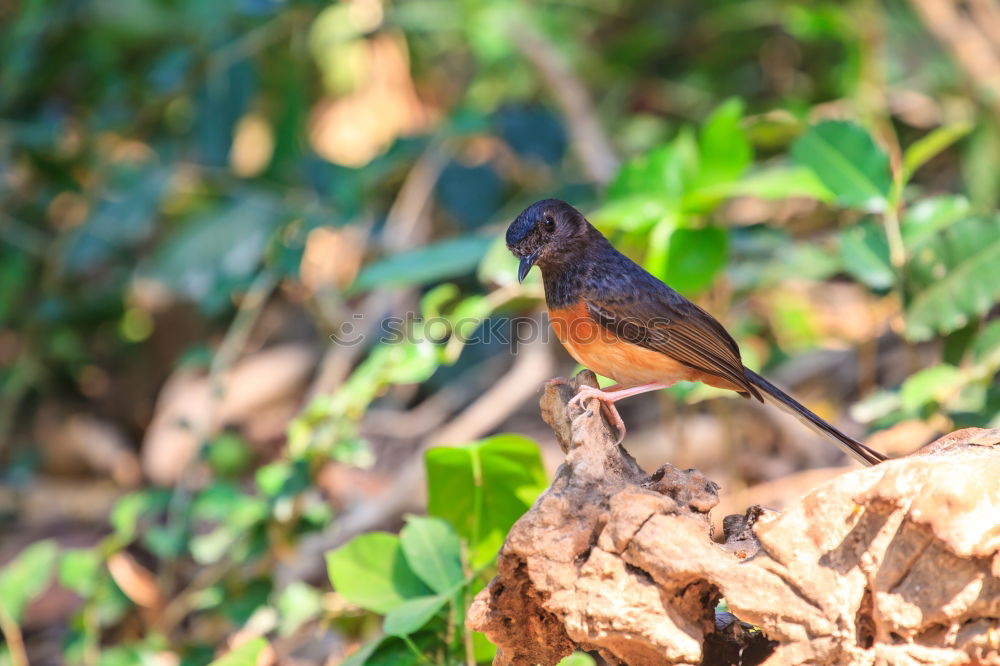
(549, 222)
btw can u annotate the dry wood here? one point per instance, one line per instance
(894, 564)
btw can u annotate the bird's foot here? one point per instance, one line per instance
(610, 396)
(607, 401)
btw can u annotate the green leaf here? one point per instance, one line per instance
(723, 147)
(25, 577)
(577, 659)
(217, 252)
(483, 487)
(371, 571)
(953, 277)
(410, 616)
(482, 649)
(433, 552)
(924, 149)
(848, 162)
(782, 182)
(297, 604)
(986, 348)
(864, 252)
(498, 266)
(636, 212)
(657, 173)
(132, 508)
(432, 263)
(386, 651)
(79, 569)
(928, 385)
(245, 655)
(931, 215)
(694, 258)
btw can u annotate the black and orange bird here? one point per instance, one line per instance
(621, 322)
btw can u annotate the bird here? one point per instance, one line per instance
(620, 321)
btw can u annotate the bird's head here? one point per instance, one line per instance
(544, 232)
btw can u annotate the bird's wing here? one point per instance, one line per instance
(670, 324)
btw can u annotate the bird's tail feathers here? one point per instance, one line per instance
(789, 404)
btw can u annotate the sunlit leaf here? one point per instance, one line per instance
(953, 277)
(386, 651)
(410, 616)
(695, 257)
(781, 182)
(371, 571)
(927, 147)
(986, 348)
(483, 487)
(79, 569)
(928, 216)
(847, 160)
(928, 385)
(433, 552)
(432, 263)
(297, 604)
(724, 150)
(25, 577)
(246, 654)
(864, 253)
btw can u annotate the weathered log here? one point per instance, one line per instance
(894, 564)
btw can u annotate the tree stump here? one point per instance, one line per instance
(894, 564)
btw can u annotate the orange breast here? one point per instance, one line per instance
(606, 354)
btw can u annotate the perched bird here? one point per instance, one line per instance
(621, 322)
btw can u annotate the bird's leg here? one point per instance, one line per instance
(610, 396)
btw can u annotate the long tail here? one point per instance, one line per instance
(778, 397)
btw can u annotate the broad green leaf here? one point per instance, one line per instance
(658, 173)
(864, 252)
(953, 277)
(848, 162)
(781, 182)
(371, 571)
(410, 616)
(498, 266)
(986, 348)
(245, 655)
(876, 406)
(723, 147)
(440, 261)
(129, 511)
(694, 258)
(217, 252)
(79, 569)
(927, 147)
(25, 577)
(386, 651)
(928, 216)
(297, 604)
(483, 487)
(482, 648)
(636, 212)
(930, 384)
(577, 659)
(433, 552)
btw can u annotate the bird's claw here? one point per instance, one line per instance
(588, 392)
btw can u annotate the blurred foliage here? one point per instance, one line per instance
(169, 166)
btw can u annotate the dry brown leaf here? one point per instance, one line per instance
(332, 257)
(188, 411)
(137, 582)
(353, 129)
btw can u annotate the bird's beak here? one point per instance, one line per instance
(526, 264)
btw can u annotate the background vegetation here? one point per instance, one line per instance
(201, 204)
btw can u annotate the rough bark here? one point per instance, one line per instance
(894, 564)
